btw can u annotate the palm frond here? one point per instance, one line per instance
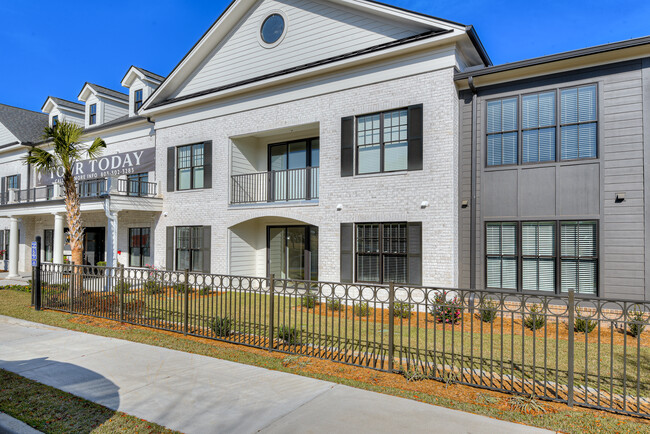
(41, 159)
(96, 148)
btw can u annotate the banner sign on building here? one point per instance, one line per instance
(125, 163)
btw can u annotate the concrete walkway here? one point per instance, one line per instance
(199, 394)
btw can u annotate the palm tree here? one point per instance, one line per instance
(66, 152)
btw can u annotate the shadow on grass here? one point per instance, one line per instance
(27, 395)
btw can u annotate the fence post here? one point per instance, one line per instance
(571, 324)
(271, 309)
(391, 325)
(122, 291)
(36, 282)
(186, 302)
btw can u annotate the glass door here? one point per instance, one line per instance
(290, 166)
(293, 252)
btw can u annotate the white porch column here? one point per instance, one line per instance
(57, 257)
(13, 247)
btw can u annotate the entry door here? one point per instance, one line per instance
(288, 163)
(293, 252)
(94, 242)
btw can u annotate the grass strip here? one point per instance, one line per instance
(51, 410)
(558, 417)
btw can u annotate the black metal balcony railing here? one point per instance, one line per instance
(34, 194)
(92, 188)
(275, 186)
(133, 187)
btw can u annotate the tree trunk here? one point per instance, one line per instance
(76, 232)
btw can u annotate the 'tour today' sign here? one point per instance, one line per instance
(125, 163)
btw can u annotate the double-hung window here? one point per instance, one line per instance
(538, 256)
(382, 252)
(501, 249)
(137, 100)
(578, 256)
(578, 122)
(139, 247)
(190, 166)
(189, 248)
(12, 182)
(502, 132)
(538, 127)
(92, 114)
(55, 120)
(382, 142)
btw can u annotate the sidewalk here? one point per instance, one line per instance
(199, 394)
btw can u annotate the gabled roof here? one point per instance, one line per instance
(135, 71)
(74, 106)
(168, 93)
(25, 125)
(103, 91)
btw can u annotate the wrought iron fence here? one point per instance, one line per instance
(591, 352)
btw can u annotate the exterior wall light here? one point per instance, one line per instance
(339, 207)
(424, 204)
(620, 197)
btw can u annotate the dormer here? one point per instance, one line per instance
(63, 110)
(141, 83)
(102, 104)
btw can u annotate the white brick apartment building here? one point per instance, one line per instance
(335, 140)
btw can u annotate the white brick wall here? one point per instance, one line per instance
(391, 197)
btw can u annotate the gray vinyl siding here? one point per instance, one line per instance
(114, 110)
(582, 189)
(315, 31)
(465, 189)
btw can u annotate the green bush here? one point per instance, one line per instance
(182, 287)
(101, 263)
(152, 287)
(334, 304)
(204, 290)
(221, 327)
(361, 309)
(582, 324)
(290, 335)
(309, 301)
(637, 323)
(122, 286)
(22, 288)
(402, 309)
(535, 320)
(487, 310)
(444, 310)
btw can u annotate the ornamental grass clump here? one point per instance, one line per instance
(402, 309)
(637, 323)
(290, 335)
(535, 320)
(446, 310)
(221, 326)
(487, 310)
(583, 324)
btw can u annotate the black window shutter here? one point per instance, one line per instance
(207, 164)
(414, 256)
(3, 194)
(347, 146)
(347, 252)
(171, 168)
(207, 244)
(415, 137)
(169, 261)
(18, 185)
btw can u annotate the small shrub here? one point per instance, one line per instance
(414, 374)
(309, 301)
(447, 311)
(290, 335)
(637, 323)
(402, 309)
(152, 287)
(334, 304)
(122, 286)
(22, 288)
(205, 290)
(535, 320)
(221, 326)
(487, 311)
(182, 287)
(101, 263)
(361, 309)
(582, 324)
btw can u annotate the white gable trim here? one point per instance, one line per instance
(238, 9)
(50, 105)
(134, 73)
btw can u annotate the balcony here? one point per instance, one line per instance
(275, 186)
(94, 188)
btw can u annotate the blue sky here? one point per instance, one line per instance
(48, 49)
